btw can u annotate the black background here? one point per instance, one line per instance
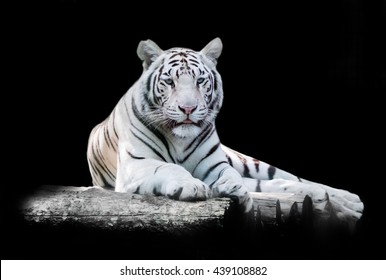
(302, 82)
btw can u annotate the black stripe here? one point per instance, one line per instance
(211, 151)
(153, 92)
(148, 82)
(210, 170)
(115, 146)
(149, 146)
(215, 80)
(93, 167)
(218, 177)
(258, 189)
(214, 101)
(158, 167)
(160, 69)
(271, 172)
(174, 55)
(246, 170)
(245, 166)
(108, 138)
(300, 179)
(115, 132)
(193, 60)
(105, 135)
(229, 160)
(134, 157)
(256, 163)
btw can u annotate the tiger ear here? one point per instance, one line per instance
(148, 51)
(213, 50)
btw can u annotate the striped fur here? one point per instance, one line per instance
(161, 138)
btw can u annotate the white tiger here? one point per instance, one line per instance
(161, 139)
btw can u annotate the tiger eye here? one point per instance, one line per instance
(169, 82)
(200, 80)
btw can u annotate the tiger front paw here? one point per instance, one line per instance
(187, 189)
(234, 189)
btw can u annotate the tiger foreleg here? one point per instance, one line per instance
(149, 176)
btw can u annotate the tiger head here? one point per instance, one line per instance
(181, 90)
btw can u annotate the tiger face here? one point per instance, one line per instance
(182, 90)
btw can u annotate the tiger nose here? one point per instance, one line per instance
(187, 109)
